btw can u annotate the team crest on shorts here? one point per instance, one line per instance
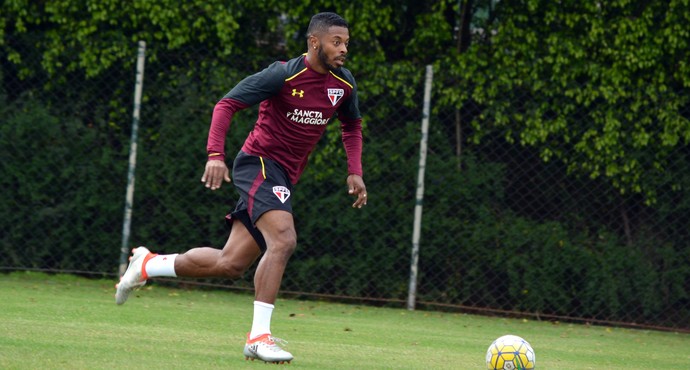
(334, 95)
(282, 193)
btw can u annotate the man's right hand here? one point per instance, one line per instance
(215, 173)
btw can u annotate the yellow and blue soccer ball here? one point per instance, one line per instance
(510, 352)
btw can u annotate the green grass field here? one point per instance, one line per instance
(67, 322)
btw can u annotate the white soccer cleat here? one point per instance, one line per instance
(264, 348)
(135, 277)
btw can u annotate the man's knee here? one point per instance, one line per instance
(278, 229)
(283, 242)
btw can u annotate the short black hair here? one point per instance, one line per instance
(321, 22)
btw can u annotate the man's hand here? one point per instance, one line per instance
(215, 173)
(356, 187)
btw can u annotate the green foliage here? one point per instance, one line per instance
(93, 36)
(599, 86)
(50, 195)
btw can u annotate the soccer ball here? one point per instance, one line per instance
(510, 352)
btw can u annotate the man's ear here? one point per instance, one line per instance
(313, 42)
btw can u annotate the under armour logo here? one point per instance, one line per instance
(300, 93)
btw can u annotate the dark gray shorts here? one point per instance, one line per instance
(263, 185)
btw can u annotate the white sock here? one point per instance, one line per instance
(262, 319)
(161, 265)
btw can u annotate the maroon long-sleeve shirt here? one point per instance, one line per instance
(296, 104)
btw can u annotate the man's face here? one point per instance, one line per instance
(332, 50)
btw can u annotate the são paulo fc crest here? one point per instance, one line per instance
(282, 193)
(334, 95)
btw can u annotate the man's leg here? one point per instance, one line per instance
(240, 252)
(277, 228)
(280, 242)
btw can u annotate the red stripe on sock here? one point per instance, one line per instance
(144, 275)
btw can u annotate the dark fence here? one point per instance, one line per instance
(504, 231)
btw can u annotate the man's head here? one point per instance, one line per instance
(327, 38)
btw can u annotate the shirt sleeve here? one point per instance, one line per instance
(220, 124)
(250, 91)
(351, 127)
(352, 140)
(260, 86)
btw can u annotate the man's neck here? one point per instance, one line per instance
(314, 62)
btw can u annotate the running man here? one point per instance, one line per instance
(297, 98)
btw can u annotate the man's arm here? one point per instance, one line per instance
(216, 170)
(352, 141)
(220, 124)
(251, 90)
(351, 128)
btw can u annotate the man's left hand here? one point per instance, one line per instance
(357, 188)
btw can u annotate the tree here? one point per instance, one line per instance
(598, 85)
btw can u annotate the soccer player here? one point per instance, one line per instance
(297, 98)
